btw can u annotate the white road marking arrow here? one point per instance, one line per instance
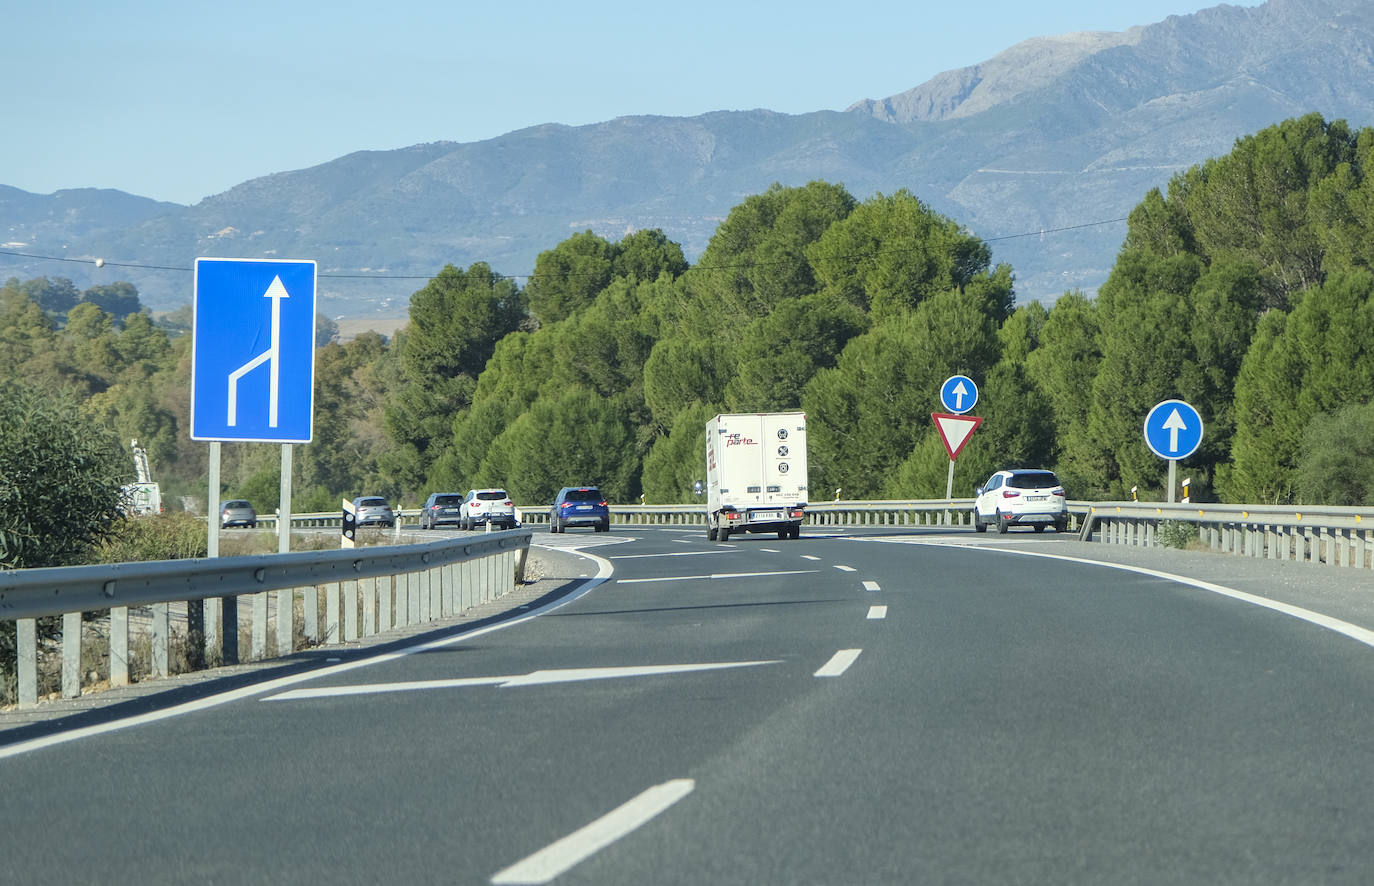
(534, 678)
(1173, 424)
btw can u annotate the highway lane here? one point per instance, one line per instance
(1006, 720)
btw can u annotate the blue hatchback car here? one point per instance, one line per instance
(579, 506)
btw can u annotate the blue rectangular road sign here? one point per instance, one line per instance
(253, 351)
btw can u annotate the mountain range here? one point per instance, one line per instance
(1042, 150)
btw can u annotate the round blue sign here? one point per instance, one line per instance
(958, 394)
(1173, 430)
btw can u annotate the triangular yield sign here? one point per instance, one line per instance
(955, 430)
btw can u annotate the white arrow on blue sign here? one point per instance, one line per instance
(958, 394)
(1173, 430)
(253, 351)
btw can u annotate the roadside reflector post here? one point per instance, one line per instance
(349, 526)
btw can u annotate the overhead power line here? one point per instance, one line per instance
(102, 263)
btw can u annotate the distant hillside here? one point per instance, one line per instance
(1052, 133)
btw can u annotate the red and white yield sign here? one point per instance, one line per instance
(955, 430)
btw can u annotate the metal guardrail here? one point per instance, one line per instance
(913, 512)
(365, 591)
(1335, 536)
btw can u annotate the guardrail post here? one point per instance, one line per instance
(119, 646)
(286, 621)
(350, 610)
(331, 613)
(26, 643)
(386, 605)
(311, 614)
(71, 655)
(366, 592)
(160, 639)
(258, 639)
(435, 579)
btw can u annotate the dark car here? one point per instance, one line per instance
(579, 506)
(237, 513)
(442, 508)
(373, 510)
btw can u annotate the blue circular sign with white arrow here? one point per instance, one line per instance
(958, 394)
(1173, 430)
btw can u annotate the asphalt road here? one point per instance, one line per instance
(867, 708)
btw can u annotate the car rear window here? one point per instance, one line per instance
(236, 504)
(1033, 480)
(498, 495)
(583, 495)
(371, 502)
(448, 499)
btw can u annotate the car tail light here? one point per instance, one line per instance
(566, 504)
(1009, 493)
(601, 504)
(1059, 492)
(508, 503)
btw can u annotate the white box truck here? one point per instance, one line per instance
(756, 474)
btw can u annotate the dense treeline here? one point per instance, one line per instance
(1246, 289)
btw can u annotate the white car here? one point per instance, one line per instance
(487, 506)
(1021, 498)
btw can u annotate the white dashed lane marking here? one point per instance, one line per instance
(839, 663)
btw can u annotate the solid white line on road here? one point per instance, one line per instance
(557, 858)
(839, 663)
(844, 568)
(712, 577)
(672, 553)
(1354, 632)
(876, 612)
(809, 557)
(534, 678)
(871, 586)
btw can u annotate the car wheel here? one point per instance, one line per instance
(978, 524)
(1001, 522)
(1061, 526)
(1039, 527)
(606, 526)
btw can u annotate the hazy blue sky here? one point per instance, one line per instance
(181, 99)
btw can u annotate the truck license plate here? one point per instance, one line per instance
(767, 515)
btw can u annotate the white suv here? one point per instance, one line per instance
(487, 506)
(1021, 498)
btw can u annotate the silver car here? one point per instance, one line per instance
(373, 510)
(237, 513)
